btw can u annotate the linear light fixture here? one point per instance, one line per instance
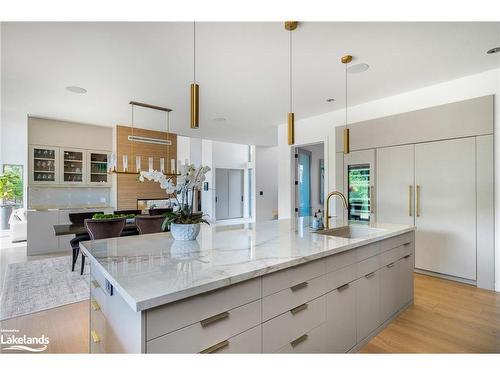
(158, 141)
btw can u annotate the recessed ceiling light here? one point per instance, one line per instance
(220, 119)
(493, 50)
(358, 68)
(329, 100)
(76, 89)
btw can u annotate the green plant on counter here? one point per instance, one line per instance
(112, 216)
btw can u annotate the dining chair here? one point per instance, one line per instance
(103, 228)
(149, 224)
(159, 211)
(77, 218)
(128, 212)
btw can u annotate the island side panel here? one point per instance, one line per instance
(115, 326)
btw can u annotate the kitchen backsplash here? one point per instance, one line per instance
(70, 197)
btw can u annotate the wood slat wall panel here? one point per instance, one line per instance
(128, 188)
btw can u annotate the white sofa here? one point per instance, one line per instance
(18, 225)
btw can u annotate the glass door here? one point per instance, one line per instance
(44, 165)
(98, 168)
(304, 183)
(73, 166)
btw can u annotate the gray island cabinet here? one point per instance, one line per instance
(251, 288)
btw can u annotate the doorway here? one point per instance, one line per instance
(228, 193)
(309, 179)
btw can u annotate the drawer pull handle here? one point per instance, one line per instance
(390, 265)
(95, 305)
(95, 284)
(299, 286)
(95, 337)
(297, 341)
(343, 287)
(371, 274)
(215, 348)
(407, 256)
(206, 322)
(299, 308)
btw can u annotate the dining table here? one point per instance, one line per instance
(76, 229)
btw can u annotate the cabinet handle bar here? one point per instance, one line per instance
(206, 322)
(215, 348)
(297, 341)
(298, 309)
(299, 286)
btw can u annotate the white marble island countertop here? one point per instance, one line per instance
(154, 269)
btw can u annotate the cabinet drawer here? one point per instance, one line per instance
(341, 277)
(393, 242)
(341, 260)
(97, 294)
(205, 334)
(341, 319)
(280, 280)
(313, 341)
(246, 342)
(280, 331)
(168, 318)
(97, 279)
(368, 265)
(286, 299)
(390, 256)
(367, 304)
(367, 251)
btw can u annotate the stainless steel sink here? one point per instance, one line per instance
(351, 231)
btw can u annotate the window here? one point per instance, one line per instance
(11, 183)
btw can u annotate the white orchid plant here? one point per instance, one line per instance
(190, 179)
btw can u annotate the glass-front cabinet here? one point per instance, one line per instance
(44, 165)
(68, 166)
(73, 166)
(98, 173)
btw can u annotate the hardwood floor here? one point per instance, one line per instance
(67, 327)
(446, 317)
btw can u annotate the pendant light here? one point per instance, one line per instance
(290, 26)
(195, 96)
(346, 60)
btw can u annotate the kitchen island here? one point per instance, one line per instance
(252, 288)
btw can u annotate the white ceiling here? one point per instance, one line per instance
(242, 69)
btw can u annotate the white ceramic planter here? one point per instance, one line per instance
(185, 232)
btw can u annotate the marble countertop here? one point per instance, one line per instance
(152, 270)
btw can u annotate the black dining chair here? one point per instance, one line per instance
(159, 211)
(78, 218)
(149, 224)
(103, 228)
(128, 212)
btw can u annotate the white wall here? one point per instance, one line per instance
(266, 181)
(318, 128)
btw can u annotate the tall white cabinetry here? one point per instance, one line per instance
(445, 178)
(433, 186)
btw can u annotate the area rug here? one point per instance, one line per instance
(41, 285)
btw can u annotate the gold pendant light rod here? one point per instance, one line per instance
(290, 26)
(346, 60)
(195, 89)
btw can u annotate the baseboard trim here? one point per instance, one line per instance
(379, 329)
(447, 277)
